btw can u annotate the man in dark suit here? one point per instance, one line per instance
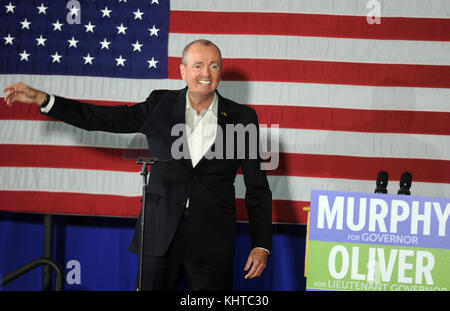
(190, 218)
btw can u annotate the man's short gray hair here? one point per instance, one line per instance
(201, 41)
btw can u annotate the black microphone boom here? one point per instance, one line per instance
(405, 183)
(382, 182)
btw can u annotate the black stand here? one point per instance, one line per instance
(47, 261)
(145, 162)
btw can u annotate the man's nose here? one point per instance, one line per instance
(205, 71)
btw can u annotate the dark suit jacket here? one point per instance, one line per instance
(209, 186)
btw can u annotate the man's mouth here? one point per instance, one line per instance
(202, 82)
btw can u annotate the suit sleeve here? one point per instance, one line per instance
(115, 119)
(258, 197)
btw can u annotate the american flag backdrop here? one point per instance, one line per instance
(352, 94)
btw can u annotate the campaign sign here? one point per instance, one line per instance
(381, 242)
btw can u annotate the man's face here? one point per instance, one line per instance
(202, 69)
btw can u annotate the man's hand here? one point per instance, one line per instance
(20, 92)
(257, 260)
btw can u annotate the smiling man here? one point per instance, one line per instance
(190, 219)
(201, 65)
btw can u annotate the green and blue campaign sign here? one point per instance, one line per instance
(381, 242)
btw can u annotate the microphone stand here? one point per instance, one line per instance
(145, 162)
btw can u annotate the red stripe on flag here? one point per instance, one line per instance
(317, 118)
(363, 168)
(315, 25)
(69, 203)
(355, 120)
(306, 165)
(277, 70)
(73, 157)
(111, 205)
(283, 211)
(21, 111)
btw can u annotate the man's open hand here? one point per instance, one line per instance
(20, 92)
(257, 260)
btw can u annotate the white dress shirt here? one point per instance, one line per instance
(201, 129)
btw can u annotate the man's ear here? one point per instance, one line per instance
(182, 70)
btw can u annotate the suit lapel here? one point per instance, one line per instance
(223, 113)
(179, 119)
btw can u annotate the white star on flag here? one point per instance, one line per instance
(9, 39)
(137, 46)
(106, 12)
(153, 31)
(42, 9)
(138, 14)
(89, 27)
(121, 29)
(120, 61)
(56, 57)
(25, 24)
(41, 41)
(105, 44)
(10, 8)
(74, 11)
(88, 59)
(57, 25)
(152, 63)
(72, 42)
(24, 55)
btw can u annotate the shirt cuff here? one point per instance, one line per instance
(268, 253)
(49, 106)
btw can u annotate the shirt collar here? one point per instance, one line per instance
(212, 107)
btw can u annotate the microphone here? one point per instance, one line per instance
(382, 182)
(405, 183)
